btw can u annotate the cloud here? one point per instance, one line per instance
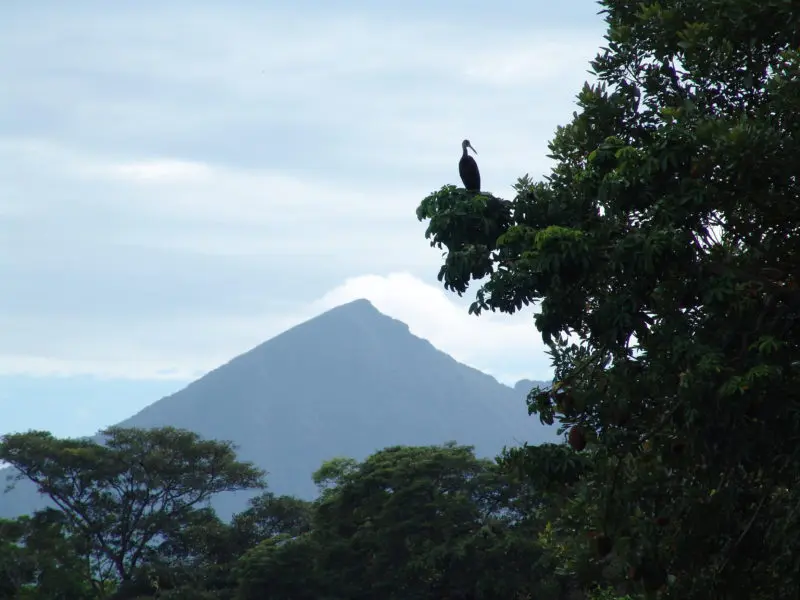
(193, 191)
(507, 347)
(322, 94)
(179, 182)
(200, 208)
(161, 171)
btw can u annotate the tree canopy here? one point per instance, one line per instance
(663, 254)
(124, 494)
(428, 522)
(431, 522)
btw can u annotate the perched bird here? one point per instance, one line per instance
(468, 169)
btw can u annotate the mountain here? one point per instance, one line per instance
(345, 383)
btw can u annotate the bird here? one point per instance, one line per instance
(468, 169)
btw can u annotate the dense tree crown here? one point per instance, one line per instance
(663, 254)
(121, 497)
(408, 522)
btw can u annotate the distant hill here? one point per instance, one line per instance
(345, 383)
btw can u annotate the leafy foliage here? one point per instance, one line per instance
(664, 253)
(423, 522)
(409, 522)
(123, 495)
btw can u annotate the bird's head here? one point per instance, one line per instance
(465, 144)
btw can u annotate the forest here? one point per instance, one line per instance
(408, 522)
(662, 254)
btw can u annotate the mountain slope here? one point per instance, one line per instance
(345, 383)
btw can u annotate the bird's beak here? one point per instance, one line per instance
(473, 149)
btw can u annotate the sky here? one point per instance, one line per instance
(182, 181)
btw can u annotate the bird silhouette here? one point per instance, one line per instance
(468, 169)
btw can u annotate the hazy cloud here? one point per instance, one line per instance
(178, 348)
(180, 182)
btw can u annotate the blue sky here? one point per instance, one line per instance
(182, 181)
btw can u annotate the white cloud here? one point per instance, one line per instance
(178, 185)
(507, 347)
(100, 367)
(193, 191)
(210, 210)
(161, 171)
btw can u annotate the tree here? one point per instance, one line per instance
(128, 493)
(192, 560)
(390, 516)
(40, 560)
(16, 567)
(61, 559)
(663, 252)
(202, 557)
(269, 516)
(426, 522)
(280, 568)
(333, 472)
